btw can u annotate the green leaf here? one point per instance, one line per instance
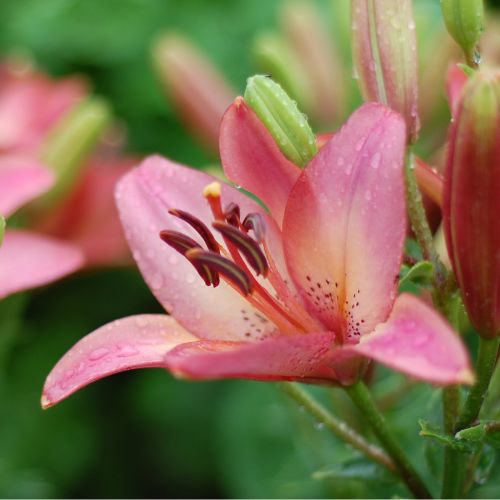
(485, 465)
(445, 439)
(420, 274)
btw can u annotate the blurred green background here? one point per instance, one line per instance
(144, 434)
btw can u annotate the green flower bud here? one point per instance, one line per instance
(72, 140)
(464, 20)
(280, 115)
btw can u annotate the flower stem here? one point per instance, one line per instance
(485, 364)
(362, 399)
(454, 462)
(338, 427)
(418, 221)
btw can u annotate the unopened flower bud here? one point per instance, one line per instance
(385, 55)
(472, 199)
(274, 56)
(72, 140)
(198, 91)
(464, 20)
(280, 115)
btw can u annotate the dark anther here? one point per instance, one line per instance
(232, 214)
(198, 226)
(246, 245)
(256, 223)
(220, 265)
(184, 244)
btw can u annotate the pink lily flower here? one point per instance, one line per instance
(29, 260)
(306, 292)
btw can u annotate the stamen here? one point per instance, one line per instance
(246, 245)
(225, 267)
(232, 214)
(198, 226)
(255, 222)
(212, 193)
(183, 244)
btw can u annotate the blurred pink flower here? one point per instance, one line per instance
(307, 292)
(32, 105)
(28, 260)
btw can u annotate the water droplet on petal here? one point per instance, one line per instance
(98, 353)
(157, 281)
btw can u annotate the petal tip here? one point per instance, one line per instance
(467, 376)
(46, 402)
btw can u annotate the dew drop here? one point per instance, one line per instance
(98, 353)
(142, 322)
(126, 351)
(375, 161)
(157, 281)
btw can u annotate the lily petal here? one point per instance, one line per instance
(344, 224)
(21, 179)
(455, 81)
(28, 260)
(296, 357)
(135, 342)
(417, 341)
(252, 159)
(144, 197)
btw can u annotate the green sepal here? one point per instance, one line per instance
(282, 118)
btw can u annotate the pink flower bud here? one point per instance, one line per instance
(472, 199)
(197, 90)
(385, 56)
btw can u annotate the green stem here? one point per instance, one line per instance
(453, 460)
(362, 399)
(338, 427)
(419, 223)
(485, 364)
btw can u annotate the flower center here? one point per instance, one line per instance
(239, 261)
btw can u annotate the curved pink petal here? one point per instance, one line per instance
(429, 181)
(253, 160)
(455, 81)
(345, 221)
(144, 197)
(297, 357)
(28, 260)
(21, 179)
(135, 342)
(417, 341)
(88, 216)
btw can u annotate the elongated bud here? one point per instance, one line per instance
(472, 199)
(274, 56)
(198, 91)
(72, 140)
(385, 55)
(280, 115)
(464, 20)
(307, 35)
